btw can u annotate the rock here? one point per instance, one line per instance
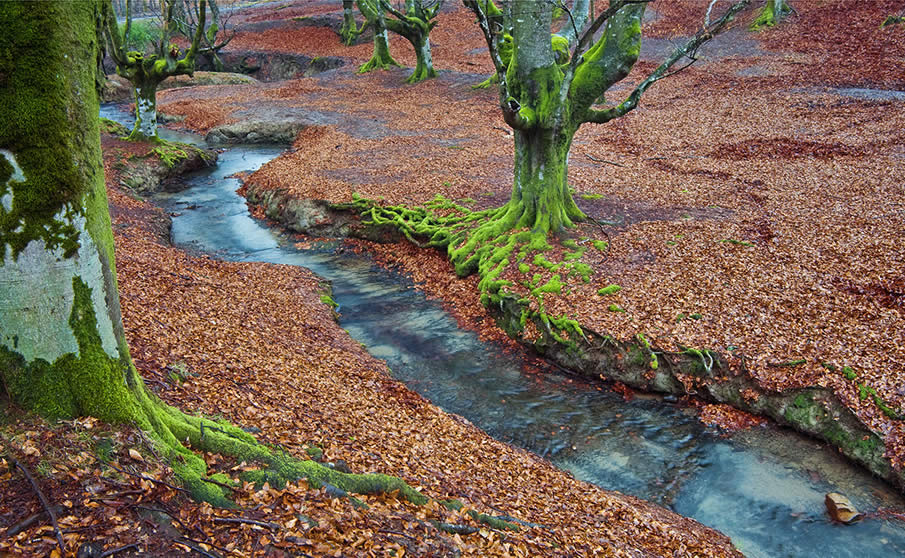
(841, 508)
(257, 131)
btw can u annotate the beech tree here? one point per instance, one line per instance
(545, 102)
(145, 71)
(63, 351)
(414, 24)
(544, 99)
(349, 30)
(374, 16)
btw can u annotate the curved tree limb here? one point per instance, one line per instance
(687, 50)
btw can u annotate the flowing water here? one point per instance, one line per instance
(763, 487)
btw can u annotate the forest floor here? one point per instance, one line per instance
(754, 201)
(255, 344)
(767, 213)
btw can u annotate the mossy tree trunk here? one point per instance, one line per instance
(414, 25)
(380, 58)
(349, 30)
(145, 71)
(63, 351)
(548, 92)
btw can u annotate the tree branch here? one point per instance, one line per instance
(689, 50)
(47, 507)
(588, 35)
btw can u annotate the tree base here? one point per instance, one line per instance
(378, 63)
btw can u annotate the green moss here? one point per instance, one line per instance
(39, 85)
(736, 242)
(523, 268)
(601, 245)
(770, 15)
(805, 410)
(609, 290)
(591, 196)
(315, 453)
(636, 355)
(615, 308)
(849, 373)
(328, 300)
(113, 128)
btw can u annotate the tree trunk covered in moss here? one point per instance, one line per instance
(414, 25)
(548, 91)
(772, 13)
(349, 31)
(63, 351)
(380, 58)
(145, 71)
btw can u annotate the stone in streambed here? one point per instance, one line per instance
(841, 508)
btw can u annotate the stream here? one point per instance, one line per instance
(763, 487)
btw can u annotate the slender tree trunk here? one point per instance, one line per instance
(424, 67)
(349, 30)
(145, 111)
(380, 59)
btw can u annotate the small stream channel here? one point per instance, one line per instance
(763, 487)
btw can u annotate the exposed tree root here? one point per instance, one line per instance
(169, 427)
(487, 242)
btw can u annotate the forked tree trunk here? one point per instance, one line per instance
(380, 58)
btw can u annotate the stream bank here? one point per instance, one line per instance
(815, 411)
(660, 451)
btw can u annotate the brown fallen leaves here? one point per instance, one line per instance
(757, 210)
(253, 344)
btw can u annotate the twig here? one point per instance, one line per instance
(28, 522)
(248, 521)
(168, 485)
(147, 443)
(113, 551)
(596, 160)
(165, 512)
(44, 502)
(218, 483)
(184, 542)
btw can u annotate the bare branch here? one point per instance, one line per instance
(689, 49)
(492, 29)
(47, 507)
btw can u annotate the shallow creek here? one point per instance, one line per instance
(763, 487)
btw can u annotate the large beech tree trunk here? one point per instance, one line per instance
(62, 348)
(540, 199)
